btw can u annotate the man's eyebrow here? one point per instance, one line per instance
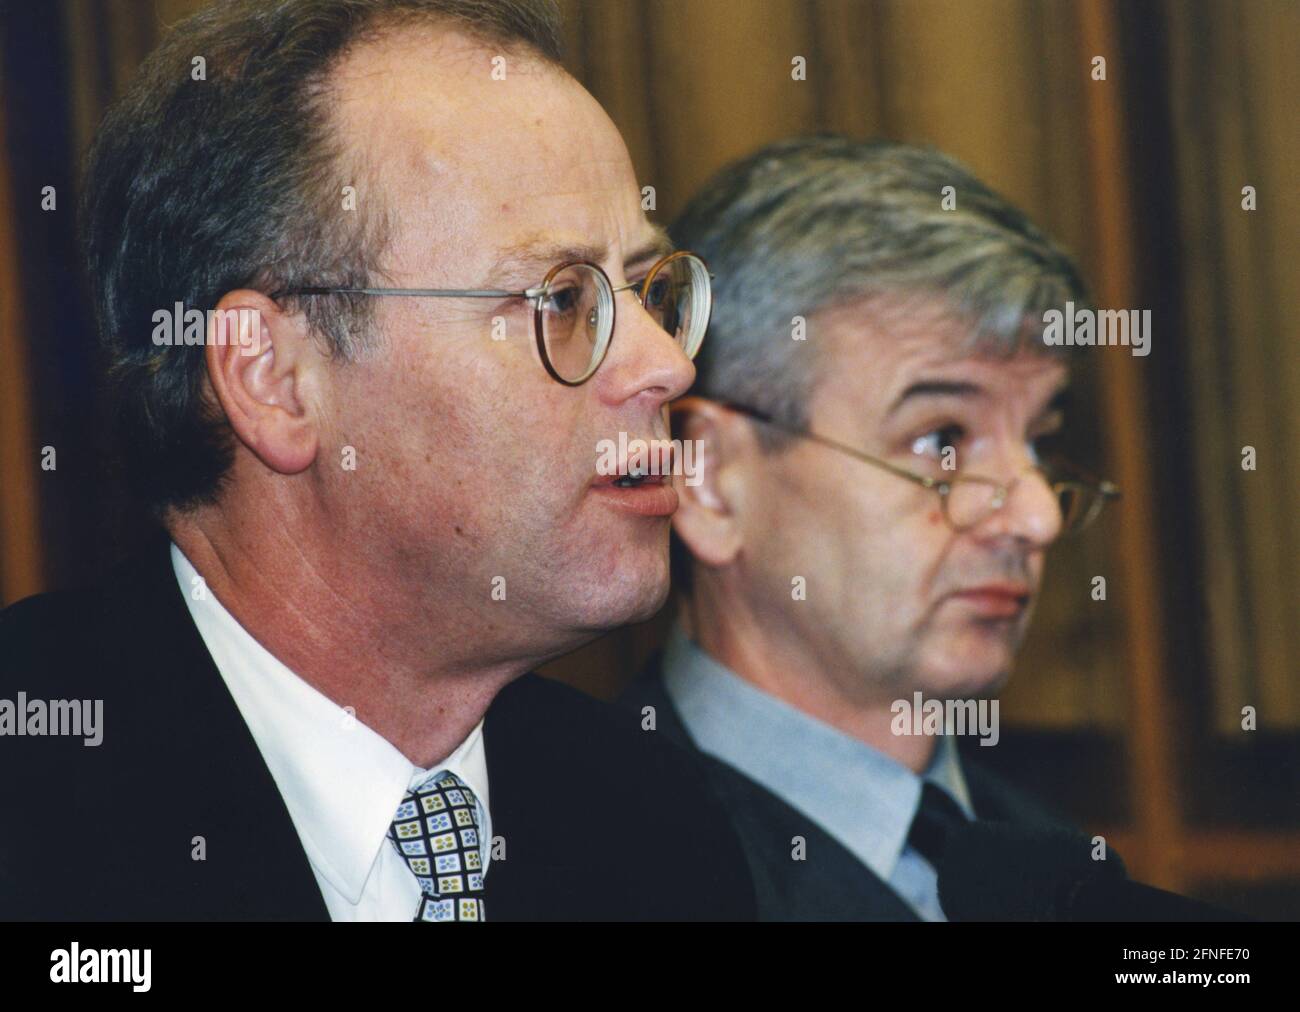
(655, 247)
(541, 254)
(935, 388)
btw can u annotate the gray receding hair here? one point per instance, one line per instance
(809, 223)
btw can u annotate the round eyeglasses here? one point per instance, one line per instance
(573, 319)
(574, 310)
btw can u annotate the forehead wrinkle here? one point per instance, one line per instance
(528, 193)
(527, 170)
(543, 252)
(657, 244)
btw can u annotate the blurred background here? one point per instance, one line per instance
(1126, 714)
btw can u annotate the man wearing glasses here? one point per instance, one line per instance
(876, 416)
(381, 498)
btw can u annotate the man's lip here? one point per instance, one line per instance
(608, 479)
(658, 464)
(649, 499)
(995, 599)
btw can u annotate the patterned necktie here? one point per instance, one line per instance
(936, 817)
(436, 830)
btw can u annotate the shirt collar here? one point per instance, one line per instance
(341, 780)
(859, 795)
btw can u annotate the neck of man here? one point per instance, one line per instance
(334, 614)
(773, 655)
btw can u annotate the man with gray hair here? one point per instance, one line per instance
(875, 410)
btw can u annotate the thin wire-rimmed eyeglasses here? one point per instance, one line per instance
(967, 499)
(574, 312)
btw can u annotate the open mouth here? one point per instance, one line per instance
(634, 463)
(635, 480)
(638, 491)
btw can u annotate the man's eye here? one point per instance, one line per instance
(1046, 447)
(657, 295)
(933, 442)
(562, 300)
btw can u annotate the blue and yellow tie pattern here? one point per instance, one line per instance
(436, 830)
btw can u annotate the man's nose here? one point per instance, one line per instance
(643, 360)
(1032, 512)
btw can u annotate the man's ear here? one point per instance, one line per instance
(706, 519)
(265, 372)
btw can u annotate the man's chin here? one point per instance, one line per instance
(969, 674)
(625, 599)
(645, 604)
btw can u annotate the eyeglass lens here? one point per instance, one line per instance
(577, 311)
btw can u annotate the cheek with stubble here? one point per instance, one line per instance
(887, 574)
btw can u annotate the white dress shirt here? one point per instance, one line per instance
(342, 781)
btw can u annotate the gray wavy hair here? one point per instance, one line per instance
(809, 223)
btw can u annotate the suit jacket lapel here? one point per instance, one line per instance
(831, 885)
(187, 744)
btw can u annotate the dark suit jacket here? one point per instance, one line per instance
(600, 820)
(831, 884)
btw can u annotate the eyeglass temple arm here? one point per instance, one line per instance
(762, 416)
(455, 293)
